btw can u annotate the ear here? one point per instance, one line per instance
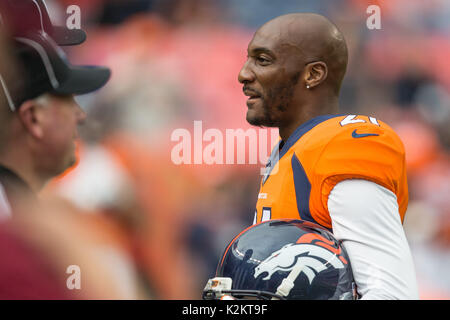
(30, 116)
(316, 73)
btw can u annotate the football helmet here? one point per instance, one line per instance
(283, 259)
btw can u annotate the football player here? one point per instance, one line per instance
(344, 172)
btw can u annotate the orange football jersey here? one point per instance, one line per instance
(303, 170)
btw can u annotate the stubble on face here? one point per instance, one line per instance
(275, 104)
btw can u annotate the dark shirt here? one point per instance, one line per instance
(17, 191)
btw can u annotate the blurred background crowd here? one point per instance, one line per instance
(148, 228)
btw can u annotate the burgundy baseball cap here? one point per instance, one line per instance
(23, 17)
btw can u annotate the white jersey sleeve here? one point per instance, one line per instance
(365, 217)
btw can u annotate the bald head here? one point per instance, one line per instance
(294, 71)
(313, 38)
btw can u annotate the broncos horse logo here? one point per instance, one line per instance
(298, 257)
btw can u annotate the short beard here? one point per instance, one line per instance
(283, 94)
(266, 120)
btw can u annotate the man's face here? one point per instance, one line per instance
(61, 116)
(270, 76)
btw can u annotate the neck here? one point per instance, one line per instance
(308, 111)
(16, 160)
